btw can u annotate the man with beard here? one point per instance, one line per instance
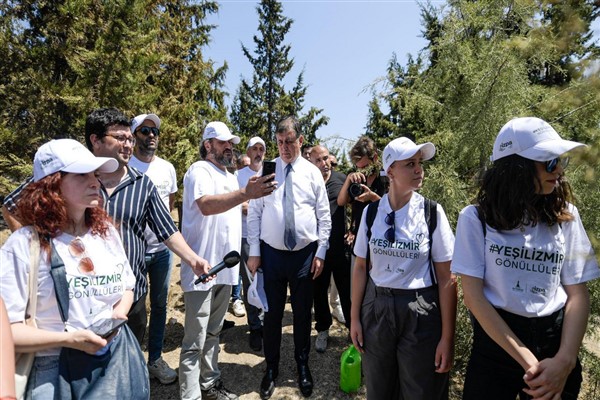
(336, 262)
(212, 225)
(146, 130)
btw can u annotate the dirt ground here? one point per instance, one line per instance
(242, 368)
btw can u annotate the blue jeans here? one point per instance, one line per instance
(236, 290)
(159, 271)
(253, 314)
(43, 378)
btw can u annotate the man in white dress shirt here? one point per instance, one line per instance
(212, 225)
(288, 234)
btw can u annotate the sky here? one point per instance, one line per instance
(343, 46)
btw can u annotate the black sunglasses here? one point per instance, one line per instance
(145, 130)
(552, 164)
(390, 234)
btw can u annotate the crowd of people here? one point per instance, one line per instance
(100, 218)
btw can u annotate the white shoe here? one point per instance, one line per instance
(338, 314)
(160, 370)
(238, 308)
(321, 342)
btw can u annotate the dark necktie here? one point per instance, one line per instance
(288, 210)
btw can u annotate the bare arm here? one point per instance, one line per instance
(448, 298)
(12, 221)
(29, 339)
(171, 201)
(7, 355)
(218, 203)
(178, 246)
(121, 309)
(548, 378)
(359, 283)
(493, 324)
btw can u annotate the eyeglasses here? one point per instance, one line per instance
(122, 139)
(552, 164)
(77, 250)
(145, 130)
(390, 234)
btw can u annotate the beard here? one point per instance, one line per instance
(224, 159)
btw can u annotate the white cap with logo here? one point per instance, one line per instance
(256, 140)
(68, 155)
(531, 138)
(220, 131)
(404, 148)
(137, 121)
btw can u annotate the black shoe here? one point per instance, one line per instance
(227, 324)
(305, 381)
(255, 339)
(267, 386)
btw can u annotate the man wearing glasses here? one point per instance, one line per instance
(146, 130)
(132, 201)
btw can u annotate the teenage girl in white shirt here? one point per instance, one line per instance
(524, 270)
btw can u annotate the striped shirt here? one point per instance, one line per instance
(134, 203)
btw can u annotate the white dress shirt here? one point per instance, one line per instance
(311, 210)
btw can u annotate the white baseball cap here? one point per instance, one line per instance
(404, 148)
(68, 155)
(531, 138)
(137, 121)
(256, 140)
(220, 131)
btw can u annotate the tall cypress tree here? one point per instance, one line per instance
(260, 103)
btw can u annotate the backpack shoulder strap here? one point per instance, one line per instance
(371, 214)
(481, 219)
(430, 211)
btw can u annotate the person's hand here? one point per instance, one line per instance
(444, 354)
(201, 266)
(118, 314)
(87, 341)
(253, 263)
(356, 334)
(367, 195)
(546, 379)
(317, 267)
(258, 186)
(357, 177)
(349, 238)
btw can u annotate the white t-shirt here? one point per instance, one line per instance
(162, 174)
(243, 176)
(92, 296)
(524, 269)
(210, 236)
(404, 264)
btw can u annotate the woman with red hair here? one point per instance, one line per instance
(61, 206)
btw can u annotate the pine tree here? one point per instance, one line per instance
(61, 59)
(259, 104)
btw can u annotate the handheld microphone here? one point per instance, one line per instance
(231, 259)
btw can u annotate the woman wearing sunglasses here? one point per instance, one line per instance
(62, 206)
(403, 295)
(524, 259)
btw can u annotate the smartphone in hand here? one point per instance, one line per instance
(268, 168)
(106, 326)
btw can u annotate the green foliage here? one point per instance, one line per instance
(259, 104)
(488, 62)
(59, 60)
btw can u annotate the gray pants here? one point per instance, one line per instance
(401, 331)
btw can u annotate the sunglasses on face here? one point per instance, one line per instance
(390, 234)
(145, 130)
(77, 250)
(552, 164)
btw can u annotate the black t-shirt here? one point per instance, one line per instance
(338, 214)
(379, 186)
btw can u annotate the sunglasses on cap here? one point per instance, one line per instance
(145, 130)
(552, 164)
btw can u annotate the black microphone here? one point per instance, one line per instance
(231, 259)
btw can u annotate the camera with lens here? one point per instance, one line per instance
(355, 190)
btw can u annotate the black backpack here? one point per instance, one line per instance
(430, 218)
